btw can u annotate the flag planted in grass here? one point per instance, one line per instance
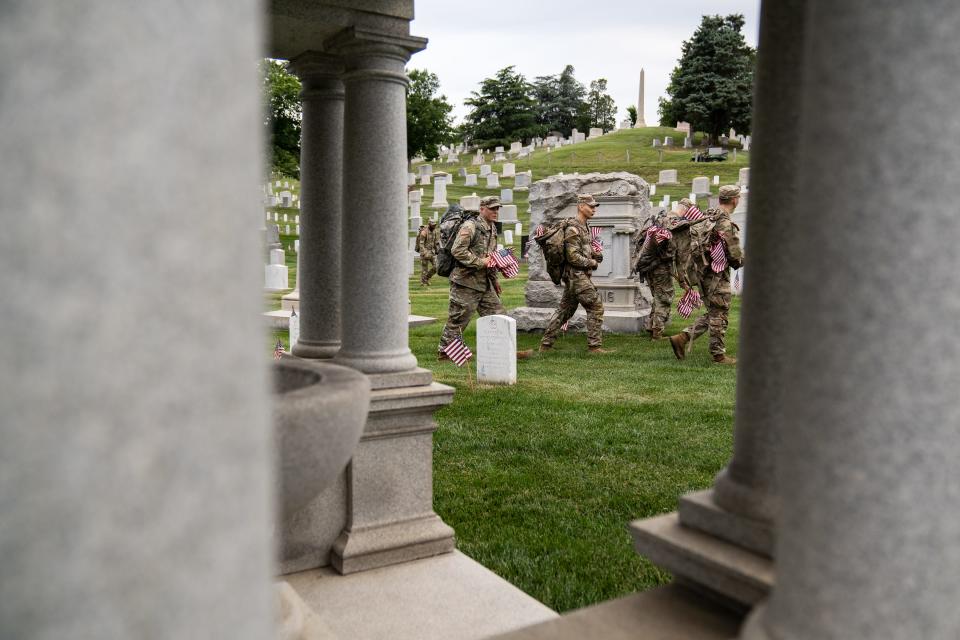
(688, 302)
(278, 350)
(506, 263)
(458, 351)
(737, 285)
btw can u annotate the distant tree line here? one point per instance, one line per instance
(507, 107)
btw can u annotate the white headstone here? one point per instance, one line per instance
(744, 179)
(277, 256)
(296, 245)
(426, 170)
(470, 203)
(656, 142)
(411, 179)
(493, 180)
(497, 350)
(509, 170)
(294, 328)
(286, 231)
(716, 180)
(471, 180)
(484, 170)
(596, 132)
(506, 196)
(415, 222)
(521, 181)
(653, 189)
(440, 192)
(276, 277)
(701, 186)
(515, 147)
(668, 141)
(507, 236)
(425, 180)
(498, 149)
(518, 229)
(667, 176)
(508, 214)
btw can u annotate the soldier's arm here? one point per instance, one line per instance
(731, 237)
(573, 250)
(461, 247)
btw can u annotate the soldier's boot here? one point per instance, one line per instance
(600, 350)
(679, 344)
(526, 354)
(722, 358)
(544, 347)
(441, 356)
(656, 334)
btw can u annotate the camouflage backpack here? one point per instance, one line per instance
(691, 247)
(450, 224)
(551, 243)
(649, 254)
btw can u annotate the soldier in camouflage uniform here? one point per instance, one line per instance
(473, 282)
(660, 278)
(427, 242)
(716, 286)
(578, 288)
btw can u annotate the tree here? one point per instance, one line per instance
(429, 123)
(282, 118)
(711, 87)
(599, 110)
(632, 113)
(503, 110)
(558, 100)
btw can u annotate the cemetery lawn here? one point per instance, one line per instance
(540, 479)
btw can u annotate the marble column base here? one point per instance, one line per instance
(316, 350)
(401, 361)
(700, 511)
(382, 545)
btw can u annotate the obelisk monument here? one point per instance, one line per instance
(640, 122)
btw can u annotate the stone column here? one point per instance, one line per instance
(744, 502)
(374, 294)
(135, 461)
(321, 193)
(867, 546)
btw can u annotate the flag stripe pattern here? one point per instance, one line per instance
(597, 241)
(458, 351)
(718, 255)
(506, 263)
(278, 350)
(565, 326)
(688, 302)
(693, 213)
(737, 284)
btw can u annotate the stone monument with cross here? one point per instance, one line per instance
(624, 207)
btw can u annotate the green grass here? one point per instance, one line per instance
(540, 479)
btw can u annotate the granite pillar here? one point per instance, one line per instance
(374, 294)
(744, 502)
(136, 452)
(868, 540)
(321, 192)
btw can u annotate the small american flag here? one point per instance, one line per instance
(458, 351)
(737, 285)
(539, 231)
(597, 241)
(565, 326)
(693, 213)
(688, 302)
(278, 350)
(658, 234)
(719, 257)
(506, 263)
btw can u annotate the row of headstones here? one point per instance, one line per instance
(508, 212)
(701, 184)
(668, 142)
(284, 199)
(522, 180)
(275, 217)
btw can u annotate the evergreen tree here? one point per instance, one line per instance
(558, 100)
(632, 114)
(282, 118)
(712, 86)
(429, 123)
(504, 110)
(599, 110)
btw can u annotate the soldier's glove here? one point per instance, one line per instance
(594, 265)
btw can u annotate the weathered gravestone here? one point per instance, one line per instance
(484, 170)
(497, 350)
(701, 186)
(744, 178)
(440, 191)
(470, 180)
(668, 176)
(595, 132)
(426, 170)
(624, 207)
(509, 170)
(493, 180)
(508, 236)
(506, 196)
(521, 182)
(508, 214)
(276, 276)
(470, 203)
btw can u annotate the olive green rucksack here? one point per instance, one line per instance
(551, 243)
(691, 248)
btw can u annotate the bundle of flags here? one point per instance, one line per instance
(596, 241)
(693, 213)
(688, 302)
(458, 351)
(657, 234)
(506, 262)
(718, 256)
(539, 231)
(278, 350)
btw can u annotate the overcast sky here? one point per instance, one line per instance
(611, 39)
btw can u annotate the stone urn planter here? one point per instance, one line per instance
(319, 411)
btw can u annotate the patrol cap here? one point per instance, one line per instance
(729, 191)
(490, 202)
(586, 198)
